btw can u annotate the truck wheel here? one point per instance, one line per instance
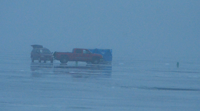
(95, 61)
(88, 62)
(39, 60)
(64, 60)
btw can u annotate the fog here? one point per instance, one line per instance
(132, 28)
(155, 64)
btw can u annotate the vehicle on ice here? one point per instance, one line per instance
(78, 54)
(41, 53)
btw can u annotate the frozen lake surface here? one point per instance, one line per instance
(126, 85)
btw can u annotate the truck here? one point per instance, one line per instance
(78, 54)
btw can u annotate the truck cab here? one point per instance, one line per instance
(82, 54)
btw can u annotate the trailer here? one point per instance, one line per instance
(106, 53)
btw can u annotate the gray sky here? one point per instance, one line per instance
(132, 28)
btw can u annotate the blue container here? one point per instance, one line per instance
(106, 53)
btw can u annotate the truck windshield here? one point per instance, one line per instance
(86, 52)
(78, 51)
(45, 51)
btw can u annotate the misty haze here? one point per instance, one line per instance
(153, 49)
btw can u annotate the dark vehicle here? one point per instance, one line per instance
(41, 54)
(78, 55)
